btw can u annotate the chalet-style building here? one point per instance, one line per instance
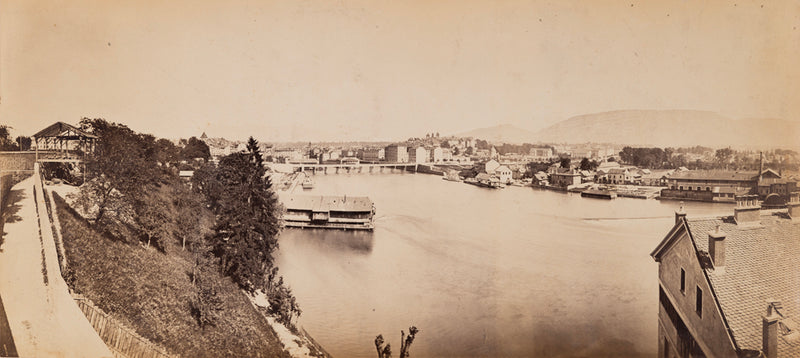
(730, 286)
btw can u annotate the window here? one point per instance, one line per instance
(698, 305)
(681, 187)
(708, 188)
(698, 188)
(683, 281)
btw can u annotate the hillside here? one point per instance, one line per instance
(149, 291)
(671, 128)
(504, 133)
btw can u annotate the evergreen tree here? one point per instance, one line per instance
(247, 219)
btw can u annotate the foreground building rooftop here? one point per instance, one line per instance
(751, 263)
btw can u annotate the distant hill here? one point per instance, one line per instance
(504, 133)
(673, 128)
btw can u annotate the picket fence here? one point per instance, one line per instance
(123, 342)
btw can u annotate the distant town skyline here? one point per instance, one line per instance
(362, 70)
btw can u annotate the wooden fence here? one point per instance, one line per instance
(123, 341)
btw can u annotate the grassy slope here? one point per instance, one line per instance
(150, 292)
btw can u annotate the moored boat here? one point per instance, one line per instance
(599, 193)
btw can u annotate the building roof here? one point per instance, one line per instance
(617, 170)
(63, 130)
(714, 175)
(761, 263)
(608, 165)
(320, 203)
(567, 172)
(502, 168)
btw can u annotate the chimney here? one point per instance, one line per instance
(747, 211)
(716, 247)
(769, 331)
(760, 165)
(794, 206)
(680, 215)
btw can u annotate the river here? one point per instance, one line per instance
(516, 272)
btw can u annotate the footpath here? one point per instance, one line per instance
(43, 318)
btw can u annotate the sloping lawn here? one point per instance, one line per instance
(151, 292)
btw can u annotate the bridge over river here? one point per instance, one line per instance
(355, 168)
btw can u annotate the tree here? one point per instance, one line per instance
(206, 303)
(405, 344)
(585, 164)
(195, 148)
(205, 181)
(723, 155)
(154, 218)
(247, 219)
(282, 303)
(565, 163)
(190, 213)
(120, 169)
(166, 151)
(23, 142)
(6, 143)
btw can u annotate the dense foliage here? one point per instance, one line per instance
(9, 144)
(228, 216)
(202, 314)
(699, 157)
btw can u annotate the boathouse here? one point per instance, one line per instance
(329, 212)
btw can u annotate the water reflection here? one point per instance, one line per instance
(358, 242)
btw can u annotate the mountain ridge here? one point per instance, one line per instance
(663, 128)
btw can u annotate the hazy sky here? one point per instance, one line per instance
(388, 69)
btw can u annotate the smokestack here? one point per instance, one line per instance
(747, 211)
(794, 206)
(769, 330)
(680, 215)
(760, 165)
(716, 247)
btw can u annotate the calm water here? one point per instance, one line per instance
(489, 273)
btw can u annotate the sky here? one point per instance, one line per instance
(388, 70)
